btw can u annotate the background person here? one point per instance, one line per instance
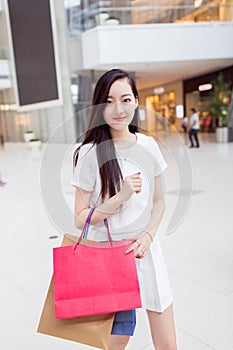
(194, 127)
(118, 171)
(185, 124)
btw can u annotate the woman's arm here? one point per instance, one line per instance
(132, 184)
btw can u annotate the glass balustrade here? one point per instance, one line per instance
(95, 13)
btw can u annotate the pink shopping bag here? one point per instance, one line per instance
(94, 279)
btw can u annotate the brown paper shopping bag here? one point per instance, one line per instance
(91, 330)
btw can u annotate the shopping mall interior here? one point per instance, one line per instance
(180, 53)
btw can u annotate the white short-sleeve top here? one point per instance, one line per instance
(144, 157)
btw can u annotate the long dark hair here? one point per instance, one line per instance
(98, 132)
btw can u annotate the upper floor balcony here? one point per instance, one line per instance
(83, 17)
(160, 43)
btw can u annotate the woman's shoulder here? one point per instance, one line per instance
(149, 143)
(145, 139)
(88, 149)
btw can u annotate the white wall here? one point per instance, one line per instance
(5, 81)
(152, 43)
(75, 54)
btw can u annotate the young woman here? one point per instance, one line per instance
(118, 171)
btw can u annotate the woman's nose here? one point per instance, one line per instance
(118, 108)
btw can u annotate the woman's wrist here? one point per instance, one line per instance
(149, 235)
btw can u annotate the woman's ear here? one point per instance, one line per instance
(136, 103)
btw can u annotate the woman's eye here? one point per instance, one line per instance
(108, 101)
(127, 100)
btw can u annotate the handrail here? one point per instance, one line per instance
(151, 8)
(84, 19)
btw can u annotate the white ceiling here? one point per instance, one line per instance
(160, 73)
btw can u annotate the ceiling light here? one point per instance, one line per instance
(205, 87)
(197, 3)
(159, 90)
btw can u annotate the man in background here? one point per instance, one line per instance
(194, 127)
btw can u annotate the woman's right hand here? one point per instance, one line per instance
(132, 184)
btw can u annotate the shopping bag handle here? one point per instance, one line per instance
(86, 228)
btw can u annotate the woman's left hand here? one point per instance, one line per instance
(141, 245)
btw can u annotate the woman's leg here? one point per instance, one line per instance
(118, 342)
(163, 329)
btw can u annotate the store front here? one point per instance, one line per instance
(197, 93)
(161, 106)
(164, 107)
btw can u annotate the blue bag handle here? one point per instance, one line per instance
(86, 228)
(88, 221)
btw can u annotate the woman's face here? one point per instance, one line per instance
(120, 106)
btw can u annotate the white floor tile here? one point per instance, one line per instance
(202, 313)
(8, 291)
(209, 271)
(33, 278)
(188, 342)
(230, 295)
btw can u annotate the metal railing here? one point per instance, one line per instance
(81, 20)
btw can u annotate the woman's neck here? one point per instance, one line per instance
(124, 139)
(122, 135)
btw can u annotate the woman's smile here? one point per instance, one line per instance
(119, 119)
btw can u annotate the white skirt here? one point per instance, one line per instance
(154, 284)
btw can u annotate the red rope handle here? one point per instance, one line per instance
(108, 231)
